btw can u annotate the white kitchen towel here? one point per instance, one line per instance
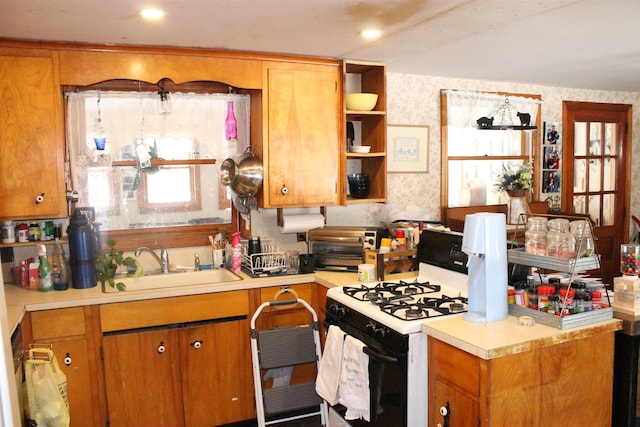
(328, 378)
(354, 380)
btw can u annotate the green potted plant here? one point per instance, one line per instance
(107, 264)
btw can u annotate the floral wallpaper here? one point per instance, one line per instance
(415, 100)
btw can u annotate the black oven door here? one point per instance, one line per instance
(387, 384)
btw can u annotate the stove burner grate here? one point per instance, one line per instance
(425, 307)
(383, 291)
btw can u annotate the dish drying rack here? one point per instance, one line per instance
(269, 259)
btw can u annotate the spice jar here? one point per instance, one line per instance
(521, 296)
(567, 301)
(23, 232)
(536, 236)
(532, 293)
(554, 304)
(544, 292)
(596, 300)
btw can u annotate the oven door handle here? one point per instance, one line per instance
(380, 357)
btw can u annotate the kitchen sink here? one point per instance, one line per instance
(155, 279)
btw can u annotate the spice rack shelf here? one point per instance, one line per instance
(519, 256)
(571, 266)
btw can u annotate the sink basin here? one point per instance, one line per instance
(158, 280)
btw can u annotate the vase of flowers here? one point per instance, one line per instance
(515, 181)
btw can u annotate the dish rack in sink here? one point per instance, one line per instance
(269, 259)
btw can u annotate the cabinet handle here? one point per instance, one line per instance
(284, 190)
(196, 344)
(67, 359)
(445, 412)
(40, 199)
(161, 347)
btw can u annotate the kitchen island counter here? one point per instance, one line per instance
(506, 337)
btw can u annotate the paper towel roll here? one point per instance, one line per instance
(301, 223)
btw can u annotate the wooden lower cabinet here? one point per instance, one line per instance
(68, 331)
(565, 384)
(191, 376)
(183, 361)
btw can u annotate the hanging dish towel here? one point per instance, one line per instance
(354, 380)
(328, 378)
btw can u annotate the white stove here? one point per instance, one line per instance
(405, 305)
(388, 317)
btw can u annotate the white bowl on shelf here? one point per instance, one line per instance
(361, 101)
(361, 149)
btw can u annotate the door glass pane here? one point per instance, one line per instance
(608, 206)
(609, 174)
(595, 167)
(580, 139)
(579, 204)
(610, 138)
(579, 175)
(595, 148)
(594, 208)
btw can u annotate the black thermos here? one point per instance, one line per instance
(83, 251)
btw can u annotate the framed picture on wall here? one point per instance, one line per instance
(407, 148)
(552, 162)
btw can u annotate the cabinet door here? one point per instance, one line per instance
(301, 156)
(143, 379)
(31, 139)
(73, 358)
(217, 376)
(463, 410)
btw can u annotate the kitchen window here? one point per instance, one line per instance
(473, 157)
(186, 144)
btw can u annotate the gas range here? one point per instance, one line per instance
(404, 305)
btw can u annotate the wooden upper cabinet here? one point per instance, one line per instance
(301, 135)
(81, 67)
(31, 136)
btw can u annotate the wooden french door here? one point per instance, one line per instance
(596, 164)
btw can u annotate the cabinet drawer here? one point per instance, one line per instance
(165, 311)
(454, 366)
(64, 322)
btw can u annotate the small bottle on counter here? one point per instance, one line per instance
(236, 252)
(59, 269)
(45, 283)
(596, 300)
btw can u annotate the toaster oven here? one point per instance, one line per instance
(343, 247)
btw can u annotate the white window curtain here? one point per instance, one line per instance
(464, 108)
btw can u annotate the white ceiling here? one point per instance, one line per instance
(592, 44)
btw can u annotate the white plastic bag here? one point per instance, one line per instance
(46, 385)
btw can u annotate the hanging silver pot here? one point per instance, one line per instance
(244, 174)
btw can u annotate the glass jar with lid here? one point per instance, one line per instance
(630, 259)
(560, 245)
(558, 224)
(585, 245)
(535, 237)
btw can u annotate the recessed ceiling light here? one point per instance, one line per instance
(371, 34)
(152, 13)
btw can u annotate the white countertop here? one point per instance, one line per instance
(19, 300)
(505, 337)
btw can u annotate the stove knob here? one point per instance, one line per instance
(338, 310)
(376, 331)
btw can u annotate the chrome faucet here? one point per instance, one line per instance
(163, 259)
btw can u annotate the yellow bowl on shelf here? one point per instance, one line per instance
(361, 101)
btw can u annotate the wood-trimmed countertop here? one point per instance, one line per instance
(506, 337)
